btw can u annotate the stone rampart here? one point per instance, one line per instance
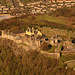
(11, 36)
(68, 52)
(7, 34)
(53, 55)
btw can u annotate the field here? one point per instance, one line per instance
(23, 22)
(51, 19)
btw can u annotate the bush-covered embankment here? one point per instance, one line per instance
(32, 63)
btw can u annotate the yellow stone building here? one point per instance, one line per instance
(32, 31)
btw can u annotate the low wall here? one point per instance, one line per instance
(53, 55)
(68, 52)
(8, 37)
(18, 41)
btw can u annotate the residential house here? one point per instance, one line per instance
(52, 9)
(5, 9)
(68, 1)
(31, 6)
(28, 4)
(59, 7)
(2, 6)
(60, 4)
(54, 5)
(33, 10)
(43, 6)
(53, 1)
(12, 6)
(44, 10)
(21, 4)
(72, 4)
(60, 1)
(38, 10)
(0, 9)
(68, 5)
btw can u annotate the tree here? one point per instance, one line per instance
(0, 32)
(44, 46)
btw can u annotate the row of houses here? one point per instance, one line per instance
(42, 7)
(4, 9)
(61, 0)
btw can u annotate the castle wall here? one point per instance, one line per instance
(18, 41)
(37, 43)
(11, 36)
(33, 43)
(53, 55)
(7, 35)
(70, 52)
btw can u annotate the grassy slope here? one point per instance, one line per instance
(38, 20)
(51, 19)
(49, 32)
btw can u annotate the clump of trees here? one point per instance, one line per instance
(0, 32)
(73, 40)
(45, 46)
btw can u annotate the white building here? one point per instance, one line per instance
(2, 6)
(4, 12)
(0, 9)
(59, 7)
(52, 9)
(6, 9)
(21, 4)
(44, 10)
(68, 5)
(38, 10)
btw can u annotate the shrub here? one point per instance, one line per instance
(0, 32)
(45, 46)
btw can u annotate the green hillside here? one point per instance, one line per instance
(31, 63)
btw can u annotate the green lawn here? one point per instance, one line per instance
(51, 19)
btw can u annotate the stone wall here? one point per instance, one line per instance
(19, 50)
(11, 36)
(70, 52)
(7, 34)
(53, 55)
(16, 38)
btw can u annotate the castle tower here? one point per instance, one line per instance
(28, 31)
(4, 34)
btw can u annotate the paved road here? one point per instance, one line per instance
(5, 17)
